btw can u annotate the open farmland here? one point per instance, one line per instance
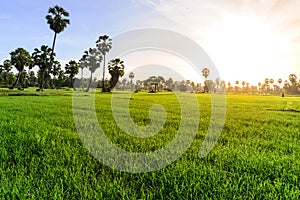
(256, 157)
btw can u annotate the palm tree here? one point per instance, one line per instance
(229, 86)
(247, 87)
(271, 81)
(42, 58)
(131, 76)
(243, 84)
(104, 45)
(72, 68)
(236, 85)
(6, 67)
(280, 86)
(217, 83)
(54, 70)
(83, 64)
(116, 70)
(20, 58)
(93, 60)
(57, 22)
(293, 78)
(259, 86)
(205, 73)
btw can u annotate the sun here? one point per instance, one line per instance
(245, 43)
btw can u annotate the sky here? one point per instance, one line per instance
(246, 39)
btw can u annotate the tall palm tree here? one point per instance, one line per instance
(82, 64)
(72, 68)
(104, 45)
(20, 58)
(116, 70)
(42, 58)
(93, 60)
(57, 21)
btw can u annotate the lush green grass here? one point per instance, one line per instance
(42, 157)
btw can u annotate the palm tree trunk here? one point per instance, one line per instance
(5, 79)
(103, 87)
(81, 79)
(53, 45)
(16, 81)
(90, 82)
(42, 80)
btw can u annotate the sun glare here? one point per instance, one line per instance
(245, 43)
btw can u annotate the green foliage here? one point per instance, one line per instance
(116, 70)
(43, 59)
(56, 19)
(72, 68)
(42, 157)
(20, 58)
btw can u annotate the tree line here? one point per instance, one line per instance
(50, 73)
(158, 83)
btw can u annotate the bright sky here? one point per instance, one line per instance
(247, 40)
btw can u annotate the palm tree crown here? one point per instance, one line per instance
(116, 70)
(56, 19)
(57, 22)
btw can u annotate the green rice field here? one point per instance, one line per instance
(42, 156)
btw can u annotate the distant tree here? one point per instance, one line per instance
(131, 76)
(7, 66)
(61, 79)
(218, 82)
(229, 87)
(32, 79)
(237, 85)
(247, 87)
(259, 86)
(170, 84)
(54, 70)
(104, 45)
(83, 64)
(293, 79)
(205, 73)
(20, 58)
(72, 68)
(116, 70)
(1, 69)
(42, 58)
(93, 59)
(243, 84)
(57, 21)
(293, 88)
(271, 81)
(280, 86)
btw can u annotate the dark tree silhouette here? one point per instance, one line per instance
(72, 68)
(104, 45)
(57, 21)
(42, 59)
(205, 73)
(20, 58)
(116, 70)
